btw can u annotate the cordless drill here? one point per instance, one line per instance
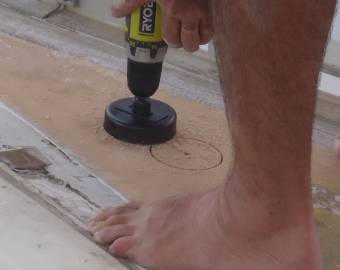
(140, 119)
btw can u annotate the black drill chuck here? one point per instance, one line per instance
(143, 78)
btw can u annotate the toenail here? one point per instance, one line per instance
(112, 249)
(96, 227)
(97, 237)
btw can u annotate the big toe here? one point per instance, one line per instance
(122, 247)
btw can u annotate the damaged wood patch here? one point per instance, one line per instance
(27, 158)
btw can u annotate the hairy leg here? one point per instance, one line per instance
(269, 53)
(269, 70)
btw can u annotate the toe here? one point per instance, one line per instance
(111, 221)
(109, 212)
(122, 246)
(109, 234)
(106, 213)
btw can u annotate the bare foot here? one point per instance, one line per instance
(337, 144)
(203, 232)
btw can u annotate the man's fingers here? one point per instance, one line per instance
(122, 8)
(172, 31)
(206, 31)
(187, 33)
(190, 35)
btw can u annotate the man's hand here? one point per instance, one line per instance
(186, 23)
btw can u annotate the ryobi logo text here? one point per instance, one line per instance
(148, 18)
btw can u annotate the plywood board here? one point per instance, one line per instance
(66, 97)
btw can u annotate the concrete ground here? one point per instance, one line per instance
(64, 94)
(41, 243)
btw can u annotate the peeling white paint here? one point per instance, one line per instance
(325, 199)
(33, 238)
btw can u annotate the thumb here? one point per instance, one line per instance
(121, 8)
